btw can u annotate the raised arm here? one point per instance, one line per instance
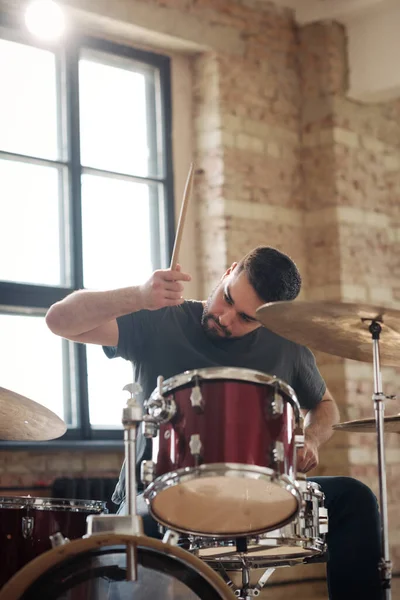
(90, 317)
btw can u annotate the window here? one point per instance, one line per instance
(85, 201)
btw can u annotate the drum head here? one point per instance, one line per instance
(95, 569)
(223, 500)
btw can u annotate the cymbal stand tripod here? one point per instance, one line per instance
(385, 565)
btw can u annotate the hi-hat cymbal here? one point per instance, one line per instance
(335, 328)
(391, 425)
(22, 419)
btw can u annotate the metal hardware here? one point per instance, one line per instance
(196, 398)
(323, 519)
(132, 416)
(57, 539)
(277, 404)
(123, 524)
(171, 537)
(149, 427)
(278, 452)
(160, 381)
(195, 444)
(27, 526)
(147, 472)
(160, 409)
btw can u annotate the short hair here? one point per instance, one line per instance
(272, 274)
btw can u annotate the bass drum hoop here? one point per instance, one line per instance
(28, 575)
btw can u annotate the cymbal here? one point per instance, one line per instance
(391, 425)
(335, 328)
(22, 419)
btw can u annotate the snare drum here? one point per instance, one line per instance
(26, 525)
(224, 460)
(295, 543)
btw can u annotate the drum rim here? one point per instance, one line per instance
(216, 470)
(24, 578)
(232, 564)
(230, 373)
(316, 544)
(61, 504)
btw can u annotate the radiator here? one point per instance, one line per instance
(80, 488)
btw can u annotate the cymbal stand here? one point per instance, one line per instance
(131, 524)
(385, 565)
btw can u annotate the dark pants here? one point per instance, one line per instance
(353, 539)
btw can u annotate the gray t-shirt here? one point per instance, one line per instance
(171, 340)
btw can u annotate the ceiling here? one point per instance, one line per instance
(373, 41)
(344, 11)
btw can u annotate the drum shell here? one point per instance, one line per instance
(236, 425)
(26, 524)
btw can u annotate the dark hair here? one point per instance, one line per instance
(273, 275)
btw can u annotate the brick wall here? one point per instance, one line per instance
(350, 155)
(22, 469)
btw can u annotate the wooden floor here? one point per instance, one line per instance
(289, 584)
(311, 591)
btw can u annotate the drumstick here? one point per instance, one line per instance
(185, 202)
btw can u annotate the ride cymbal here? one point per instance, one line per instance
(391, 425)
(340, 329)
(22, 419)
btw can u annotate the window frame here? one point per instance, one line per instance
(32, 299)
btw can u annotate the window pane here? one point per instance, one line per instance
(31, 361)
(28, 100)
(29, 223)
(114, 117)
(106, 380)
(116, 226)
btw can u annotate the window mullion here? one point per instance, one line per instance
(75, 224)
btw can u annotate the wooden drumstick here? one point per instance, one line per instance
(185, 202)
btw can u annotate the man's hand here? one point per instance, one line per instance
(163, 289)
(307, 457)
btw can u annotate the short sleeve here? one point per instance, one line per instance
(133, 331)
(308, 384)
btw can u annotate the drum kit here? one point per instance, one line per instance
(222, 484)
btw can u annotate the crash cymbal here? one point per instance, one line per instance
(335, 328)
(22, 419)
(391, 425)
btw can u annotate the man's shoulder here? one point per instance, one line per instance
(271, 338)
(189, 310)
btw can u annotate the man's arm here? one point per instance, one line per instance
(90, 317)
(318, 429)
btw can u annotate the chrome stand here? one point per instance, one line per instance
(385, 565)
(246, 591)
(132, 524)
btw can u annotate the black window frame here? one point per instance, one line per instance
(21, 298)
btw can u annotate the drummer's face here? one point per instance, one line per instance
(230, 310)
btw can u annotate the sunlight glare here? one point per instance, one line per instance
(45, 19)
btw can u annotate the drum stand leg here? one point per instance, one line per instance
(385, 565)
(246, 591)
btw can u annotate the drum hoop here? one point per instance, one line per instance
(232, 374)
(21, 581)
(61, 504)
(235, 563)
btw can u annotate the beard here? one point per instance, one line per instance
(208, 318)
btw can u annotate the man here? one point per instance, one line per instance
(162, 334)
